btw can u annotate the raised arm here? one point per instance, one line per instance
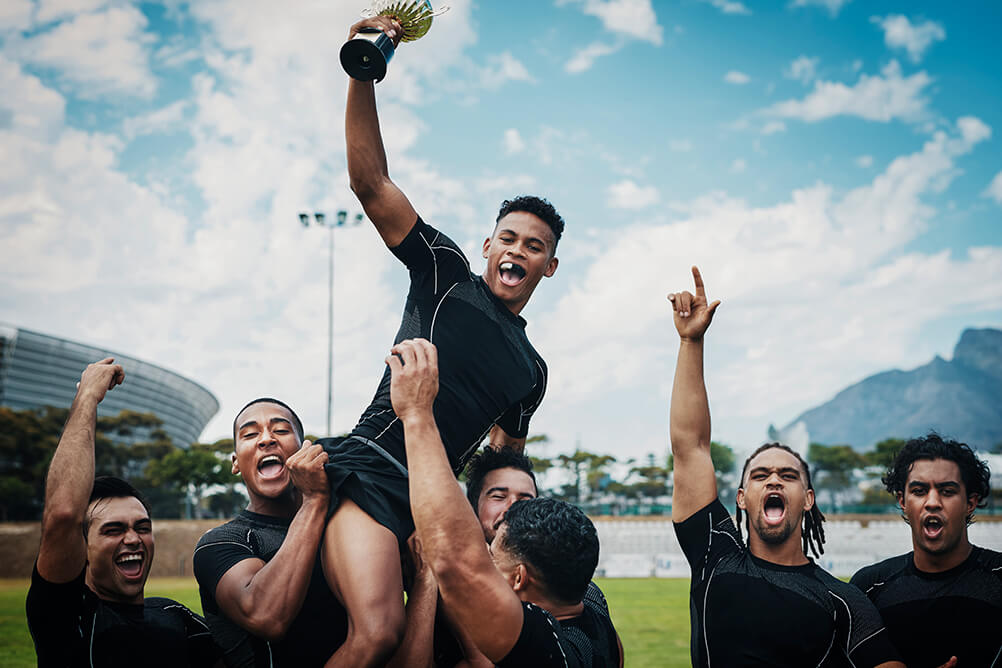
(695, 480)
(265, 597)
(450, 534)
(63, 551)
(384, 203)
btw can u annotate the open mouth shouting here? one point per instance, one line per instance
(511, 274)
(130, 564)
(270, 467)
(932, 527)
(774, 509)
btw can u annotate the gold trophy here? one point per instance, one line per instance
(365, 56)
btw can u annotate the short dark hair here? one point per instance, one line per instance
(296, 422)
(558, 540)
(110, 487)
(813, 530)
(973, 471)
(538, 207)
(490, 459)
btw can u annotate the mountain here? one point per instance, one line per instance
(960, 399)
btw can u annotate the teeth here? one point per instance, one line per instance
(506, 266)
(271, 458)
(130, 557)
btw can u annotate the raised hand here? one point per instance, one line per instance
(414, 377)
(306, 468)
(385, 24)
(692, 312)
(99, 377)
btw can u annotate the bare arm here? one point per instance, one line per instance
(63, 551)
(695, 480)
(418, 646)
(265, 597)
(498, 438)
(452, 538)
(384, 203)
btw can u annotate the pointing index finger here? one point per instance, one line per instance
(697, 278)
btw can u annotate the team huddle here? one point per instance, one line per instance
(314, 571)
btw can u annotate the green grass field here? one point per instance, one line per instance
(652, 617)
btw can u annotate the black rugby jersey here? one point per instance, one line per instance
(746, 611)
(489, 373)
(933, 616)
(314, 635)
(585, 641)
(71, 626)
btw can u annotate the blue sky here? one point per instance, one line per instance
(833, 167)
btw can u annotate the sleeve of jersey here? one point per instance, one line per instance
(435, 261)
(515, 421)
(202, 649)
(869, 642)
(538, 643)
(53, 612)
(707, 536)
(215, 554)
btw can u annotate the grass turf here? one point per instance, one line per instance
(652, 617)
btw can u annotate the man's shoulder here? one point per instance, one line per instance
(881, 572)
(234, 530)
(989, 560)
(159, 606)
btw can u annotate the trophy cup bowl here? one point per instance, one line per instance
(365, 56)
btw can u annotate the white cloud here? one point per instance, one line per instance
(54, 10)
(15, 15)
(738, 166)
(502, 68)
(680, 145)
(883, 97)
(803, 69)
(513, 142)
(834, 275)
(628, 195)
(730, 6)
(864, 161)
(833, 6)
(633, 19)
(735, 77)
(772, 127)
(900, 33)
(160, 120)
(106, 52)
(585, 57)
(994, 189)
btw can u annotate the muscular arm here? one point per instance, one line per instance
(265, 597)
(63, 550)
(418, 646)
(384, 203)
(450, 534)
(695, 481)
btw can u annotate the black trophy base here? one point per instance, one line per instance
(365, 57)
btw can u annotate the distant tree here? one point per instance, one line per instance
(996, 449)
(884, 452)
(878, 496)
(653, 480)
(588, 472)
(191, 471)
(833, 466)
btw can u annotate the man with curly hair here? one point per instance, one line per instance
(492, 378)
(943, 600)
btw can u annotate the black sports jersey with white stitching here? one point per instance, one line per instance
(933, 616)
(316, 632)
(489, 373)
(746, 611)
(72, 627)
(585, 641)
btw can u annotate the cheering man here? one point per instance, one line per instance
(765, 603)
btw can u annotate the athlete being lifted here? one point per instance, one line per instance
(492, 379)
(765, 603)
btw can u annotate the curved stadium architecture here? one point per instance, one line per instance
(37, 370)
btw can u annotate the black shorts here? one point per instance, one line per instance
(374, 481)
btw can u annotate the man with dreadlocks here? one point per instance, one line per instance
(765, 603)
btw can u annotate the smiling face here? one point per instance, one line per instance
(119, 548)
(518, 255)
(774, 493)
(265, 438)
(502, 487)
(936, 506)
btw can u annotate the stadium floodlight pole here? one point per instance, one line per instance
(320, 220)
